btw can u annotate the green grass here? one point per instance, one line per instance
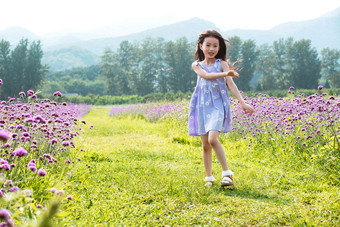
(135, 172)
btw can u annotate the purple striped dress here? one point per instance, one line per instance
(209, 105)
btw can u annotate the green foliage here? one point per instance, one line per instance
(155, 65)
(21, 68)
(330, 62)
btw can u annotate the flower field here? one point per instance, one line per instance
(307, 127)
(35, 137)
(138, 166)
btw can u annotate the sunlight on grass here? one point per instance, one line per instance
(136, 173)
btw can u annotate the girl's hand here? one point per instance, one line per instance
(247, 108)
(233, 73)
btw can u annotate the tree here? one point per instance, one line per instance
(109, 69)
(126, 58)
(5, 60)
(234, 50)
(147, 73)
(265, 67)
(305, 65)
(161, 67)
(330, 63)
(35, 71)
(249, 56)
(21, 67)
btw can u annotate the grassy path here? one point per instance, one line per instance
(134, 174)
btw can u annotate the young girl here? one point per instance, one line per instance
(209, 112)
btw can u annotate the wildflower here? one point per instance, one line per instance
(291, 88)
(39, 119)
(14, 189)
(5, 167)
(84, 122)
(57, 93)
(4, 214)
(39, 206)
(20, 152)
(30, 92)
(69, 197)
(22, 94)
(65, 143)
(320, 87)
(0, 81)
(41, 172)
(53, 190)
(53, 141)
(33, 168)
(4, 135)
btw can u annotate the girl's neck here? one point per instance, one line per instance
(209, 61)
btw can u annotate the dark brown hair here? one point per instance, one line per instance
(222, 52)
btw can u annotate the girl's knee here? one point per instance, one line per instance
(206, 148)
(213, 141)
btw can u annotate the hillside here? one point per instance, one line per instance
(69, 51)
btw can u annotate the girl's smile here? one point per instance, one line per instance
(210, 48)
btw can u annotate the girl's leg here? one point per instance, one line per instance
(207, 155)
(214, 141)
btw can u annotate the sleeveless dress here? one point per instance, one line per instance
(209, 104)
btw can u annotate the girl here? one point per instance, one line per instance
(209, 112)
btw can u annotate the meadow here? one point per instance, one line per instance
(137, 166)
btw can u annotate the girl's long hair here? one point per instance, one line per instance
(222, 53)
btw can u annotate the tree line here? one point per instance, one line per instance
(158, 66)
(20, 68)
(155, 65)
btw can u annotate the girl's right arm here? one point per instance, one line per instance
(204, 74)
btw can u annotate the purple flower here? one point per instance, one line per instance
(22, 94)
(20, 152)
(5, 167)
(291, 88)
(320, 87)
(14, 189)
(0, 81)
(30, 92)
(4, 214)
(53, 190)
(41, 172)
(57, 93)
(4, 135)
(33, 168)
(39, 206)
(65, 143)
(39, 119)
(8, 183)
(69, 197)
(53, 141)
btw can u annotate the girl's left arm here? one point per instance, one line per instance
(233, 88)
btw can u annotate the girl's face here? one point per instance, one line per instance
(210, 47)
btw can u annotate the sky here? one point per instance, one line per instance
(48, 16)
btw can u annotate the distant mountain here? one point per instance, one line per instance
(15, 34)
(69, 58)
(81, 50)
(189, 28)
(323, 31)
